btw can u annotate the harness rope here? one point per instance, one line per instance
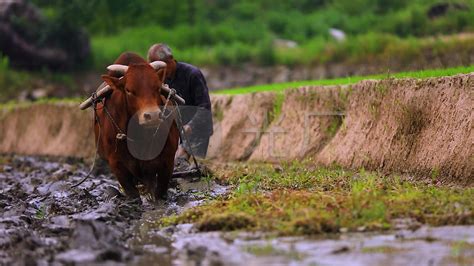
(94, 102)
(183, 133)
(162, 116)
(120, 135)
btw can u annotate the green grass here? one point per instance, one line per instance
(348, 80)
(300, 199)
(384, 48)
(382, 249)
(13, 81)
(14, 104)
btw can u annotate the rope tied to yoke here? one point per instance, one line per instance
(164, 117)
(95, 100)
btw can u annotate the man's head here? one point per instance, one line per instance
(162, 52)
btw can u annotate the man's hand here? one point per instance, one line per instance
(187, 129)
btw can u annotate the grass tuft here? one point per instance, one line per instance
(225, 222)
(278, 87)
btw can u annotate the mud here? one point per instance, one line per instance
(45, 221)
(449, 245)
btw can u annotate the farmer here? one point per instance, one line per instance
(189, 83)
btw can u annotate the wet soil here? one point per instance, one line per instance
(43, 221)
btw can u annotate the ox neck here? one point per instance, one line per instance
(119, 108)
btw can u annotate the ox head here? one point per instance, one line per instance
(140, 86)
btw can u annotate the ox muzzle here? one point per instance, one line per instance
(150, 118)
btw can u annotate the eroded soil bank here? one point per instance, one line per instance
(415, 126)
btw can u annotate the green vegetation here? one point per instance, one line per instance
(297, 198)
(14, 81)
(10, 81)
(349, 80)
(231, 32)
(276, 111)
(269, 250)
(225, 32)
(461, 253)
(382, 249)
(315, 51)
(14, 104)
(41, 212)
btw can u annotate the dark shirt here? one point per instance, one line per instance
(190, 84)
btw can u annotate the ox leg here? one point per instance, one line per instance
(150, 185)
(125, 179)
(163, 178)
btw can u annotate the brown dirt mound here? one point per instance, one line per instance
(309, 117)
(417, 126)
(238, 123)
(47, 129)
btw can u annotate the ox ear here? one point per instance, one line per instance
(113, 82)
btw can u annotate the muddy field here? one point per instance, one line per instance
(45, 221)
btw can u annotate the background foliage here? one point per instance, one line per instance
(229, 32)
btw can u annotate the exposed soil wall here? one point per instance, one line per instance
(416, 126)
(238, 123)
(308, 118)
(47, 129)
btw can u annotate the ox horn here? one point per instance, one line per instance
(122, 69)
(104, 89)
(157, 64)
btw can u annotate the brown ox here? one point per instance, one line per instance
(136, 97)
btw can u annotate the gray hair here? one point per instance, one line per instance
(160, 51)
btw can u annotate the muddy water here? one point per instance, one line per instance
(43, 221)
(182, 245)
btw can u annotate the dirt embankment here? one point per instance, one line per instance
(305, 122)
(238, 124)
(420, 126)
(47, 129)
(416, 126)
